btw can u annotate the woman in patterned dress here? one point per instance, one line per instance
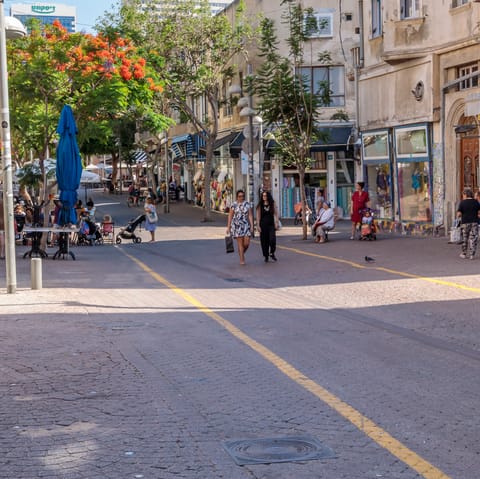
(240, 223)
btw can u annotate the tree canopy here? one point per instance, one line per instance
(103, 77)
(197, 52)
(285, 98)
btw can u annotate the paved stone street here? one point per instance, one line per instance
(141, 360)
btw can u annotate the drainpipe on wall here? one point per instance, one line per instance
(359, 61)
(361, 25)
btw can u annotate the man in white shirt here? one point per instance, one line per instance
(325, 222)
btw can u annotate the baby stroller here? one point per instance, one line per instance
(88, 233)
(368, 229)
(128, 232)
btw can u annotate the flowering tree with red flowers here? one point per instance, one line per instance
(103, 77)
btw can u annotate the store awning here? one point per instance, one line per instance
(182, 146)
(225, 138)
(336, 139)
(140, 156)
(180, 138)
(236, 143)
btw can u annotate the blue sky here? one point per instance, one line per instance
(87, 10)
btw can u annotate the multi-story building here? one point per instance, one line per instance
(216, 5)
(419, 105)
(333, 166)
(47, 13)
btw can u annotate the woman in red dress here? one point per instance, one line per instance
(360, 199)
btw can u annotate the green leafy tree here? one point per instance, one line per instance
(285, 98)
(198, 51)
(103, 77)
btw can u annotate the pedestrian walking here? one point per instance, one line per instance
(360, 199)
(240, 223)
(267, 224)
(469, 213)
(151, 218)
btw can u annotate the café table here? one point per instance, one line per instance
(63, 241)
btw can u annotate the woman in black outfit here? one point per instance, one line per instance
(267, 218)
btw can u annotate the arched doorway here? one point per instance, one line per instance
(468, 132)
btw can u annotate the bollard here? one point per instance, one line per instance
(36, 273)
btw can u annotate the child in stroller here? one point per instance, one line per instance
(88, 233)
(368, 229)
(128, 232)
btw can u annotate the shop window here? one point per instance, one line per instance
(411, 142)
(319, 160)
(332, 76)
(375, 145)
(377, 18)
(379, 181)
(459, 3)
(414, 191)
(345, 172)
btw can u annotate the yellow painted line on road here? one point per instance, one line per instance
(328, 258)
(442, 282)
(363, 423)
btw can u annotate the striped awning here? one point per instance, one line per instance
(182, 146)
(140, 156)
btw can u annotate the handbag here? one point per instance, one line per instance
(456, 233)
(229, 244)
(152, 216)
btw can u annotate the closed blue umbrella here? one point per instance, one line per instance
(69, 165)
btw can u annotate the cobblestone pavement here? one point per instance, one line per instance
(112, 371)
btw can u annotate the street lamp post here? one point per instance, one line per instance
(251, 171)
(16, 30)
(258, 121)
(166, 207)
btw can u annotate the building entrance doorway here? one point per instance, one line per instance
(469, 166)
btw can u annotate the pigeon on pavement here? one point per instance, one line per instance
(369, 260)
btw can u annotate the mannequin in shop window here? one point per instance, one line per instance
(416, 178)
(382, 185)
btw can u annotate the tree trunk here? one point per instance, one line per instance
(301, 182)
(207, 207)
(114, 167)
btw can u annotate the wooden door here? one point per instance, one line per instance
(469, 163)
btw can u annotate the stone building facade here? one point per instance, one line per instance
(419, 104)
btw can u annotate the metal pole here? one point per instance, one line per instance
(251, 172)
(260, 155)
(166, 207)
(10, 266)
(251, 180)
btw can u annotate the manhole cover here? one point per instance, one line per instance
(284, 449)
